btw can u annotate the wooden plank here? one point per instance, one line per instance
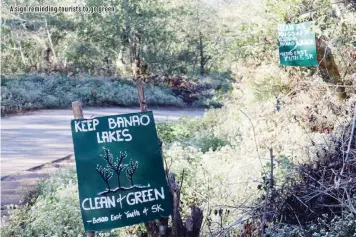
(78, 114)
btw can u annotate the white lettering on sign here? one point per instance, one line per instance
(132, 214)
(99, 203)
(100, 220)
(86, 125)
(156, 208)
(120, 124)
(298, 57)
(133, 121)
(145, 211)
(114, 136)
(119, 200)
(144, 196)
(115, 217)
(131, 199)
(283, 27)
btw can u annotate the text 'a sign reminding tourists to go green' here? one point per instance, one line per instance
(120, 171)
(296, 45)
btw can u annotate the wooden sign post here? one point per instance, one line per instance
(193, 223)
(141, 95)
(78, 114)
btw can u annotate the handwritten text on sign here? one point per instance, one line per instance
(119, 127)
(120, 171)
(296, 45)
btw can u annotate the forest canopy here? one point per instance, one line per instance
(176, 37)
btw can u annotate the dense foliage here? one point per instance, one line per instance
(176, 37)
(54, 212)
(170, 39)
(24, 93)
(37, 92)
(223, 160)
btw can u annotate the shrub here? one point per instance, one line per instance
(55, 212)
(344, 226)
(37, 92)
(311, 190)
(192, 132)
(208, 142)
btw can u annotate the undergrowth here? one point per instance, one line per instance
(222, 160)
(37, 92)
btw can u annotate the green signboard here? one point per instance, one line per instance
(120, 171)
(296, 45)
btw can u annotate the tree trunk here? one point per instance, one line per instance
(194, 222)
(51, 43)
(177, 224)
(201, 51)
(151, 229)
(328, 68)
(141, 95)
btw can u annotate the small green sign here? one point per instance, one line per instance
(120, 171)
(296, 45)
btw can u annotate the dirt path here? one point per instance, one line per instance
(43, 136)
